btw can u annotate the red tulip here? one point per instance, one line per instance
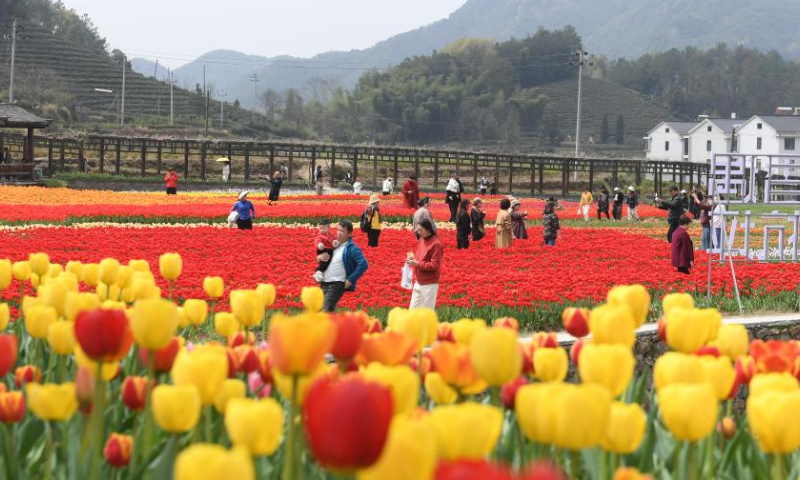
(506, 322)
(12, 407)
(576, 321)
(444, 333)
(118, 450)
(27, 374)
(427, 364)
(527, 357)
(347, 421)
(472, 470)
(246, 358)
(350, 328)
(238, 339)
(104, 335)
(545, 340)
(662, 330)
(8, 353)
(708, 350)
(575, 351)
(374, 325)
(509, 392)
(542, 470)
(164, 358)
(745, 369)
(134, 392)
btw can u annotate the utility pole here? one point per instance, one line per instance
(122, 104)
(171, 99)
(13, 55)
(206, 113)
(254, 79)
(204, 79)
(222, 96)
(581, 61)
(155, 74)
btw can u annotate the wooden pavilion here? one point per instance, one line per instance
(14, 116)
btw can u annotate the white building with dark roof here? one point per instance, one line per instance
(713, 135)
(669, 141)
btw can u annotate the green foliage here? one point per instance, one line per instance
(604, 130)
(549, 131)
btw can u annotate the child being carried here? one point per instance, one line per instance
(325, 242)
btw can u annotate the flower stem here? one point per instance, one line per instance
(693, 460)
(51, 447)
(289, 462)
(11, 450)
(575, 465)
(778, 467)
(98, 420)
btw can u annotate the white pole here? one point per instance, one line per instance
(222, 109)
(122, 105)
(171, 105)
(13, 55)
(580, 88)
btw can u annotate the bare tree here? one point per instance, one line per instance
(273, 102)
(321, 89)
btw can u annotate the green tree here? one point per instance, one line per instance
(549, 131)
(619, 136)
(604, 130)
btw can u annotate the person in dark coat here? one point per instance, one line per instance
(682, 246)
(550, 225)
(477, 215)
(453, 196)
(463, 225)
(518, 217)
(676, 208)
(602, 204)
(275, 186)
(619, 199)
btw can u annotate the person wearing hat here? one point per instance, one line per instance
(633, 202)
(373, 214)
(518, 217)
(502, 225)
(245, 212)
(387, 186)
(427, 263)
(619, 199)
(423, 213)
(676, 209)
(602, 203)
(477, 215)
(411, 192)
(463, 225)
(171, 180)
(275, 186)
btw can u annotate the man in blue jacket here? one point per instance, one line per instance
(347, 266)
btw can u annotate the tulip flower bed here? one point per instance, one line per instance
(528, 281)
(94, 388)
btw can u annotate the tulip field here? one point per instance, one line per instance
(141, 338)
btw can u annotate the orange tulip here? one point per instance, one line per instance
(454, 363)
(774, 356)
(299, 343)
(12, 407)
(389, 348)
(444, 332)
(27, 374)
(118, 450)
(545, 340)
(506, 322)
(8, 353)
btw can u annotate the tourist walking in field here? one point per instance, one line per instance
(602, 203)
(550, 224)
(633, 202)
(325, 241)
(717, 217)
(373, 214)
(703, 206)
(476, 216)
(347, 265)
(171, 180)
(463, 225)
(245, 212)
(387, 186)
(619, 199)
(518, 217)
(423, 213)
(676, 208)
(357, 186)
(411, 192)
(682, 246)
(427, 263)
(502, 225)
(453, 198)
(275, 184)
(586, 203)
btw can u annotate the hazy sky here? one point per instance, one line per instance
(178, 31)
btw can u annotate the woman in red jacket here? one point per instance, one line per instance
(411, 192)
(427, 263)
(682, 246)
(171, 180)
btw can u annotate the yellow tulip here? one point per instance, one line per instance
(772, 417)
(550, 364)
(35, 280)
(634, 297)
(677, 300)
(408, 439)
(153, 323)
(248, 307)
(91, 274)
(267, 292)
(206, 367)
(176, 408)
(61, 337)
(690, 329)
(772, 382)
(5, 274)
(255, 424)
(613, 324)
(40, 263)
(53, 295)
(401, 380)
(231, 388)
(108, 271)
(21, 271)
(5, 316)
(675, 367)
(183, 320)
(689, 410)
(170, 265)
(196, 311)
(610, 366)
(75, 303)
(467, 431)
(213, 286)
(75, 268)
(496, 355)
(145, 289)
(124, 277)
(108, 371)
(284, 383)
(299, 343)
(464, 329)
(225, 324)
(733, 340)
(139, 265)
(626, 426)
(52, 402)
(312, 299)
(113, 305)
(720, 374)
(38, 320)
(420, 324)
(536, 410)
(582, 413)
(203, 461)
(438, 390)
(54, 270)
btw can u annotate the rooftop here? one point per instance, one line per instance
(14, 116)
(682, 127)
(783, 123)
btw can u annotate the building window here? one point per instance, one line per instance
(735, 145)
(758, 143)
(759, 125)
(666, 145)
(788, 143)
(666, 129)
(708, 128)
(708, 145)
